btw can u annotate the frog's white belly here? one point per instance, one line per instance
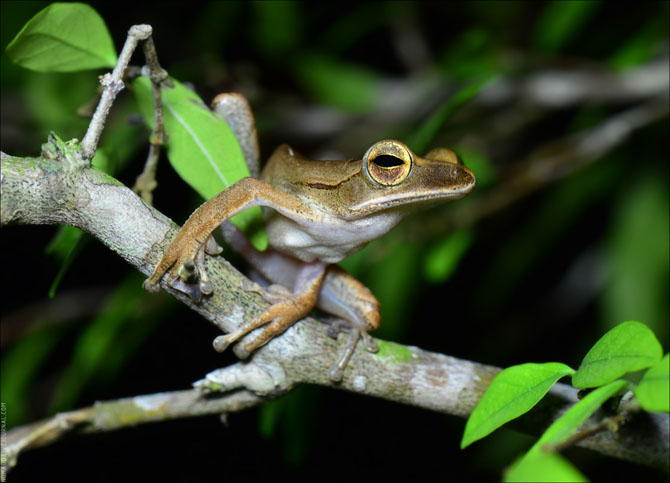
(329, 238)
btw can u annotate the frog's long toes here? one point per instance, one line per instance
(370, 344)
(211, 247)
(150, 287)
(206, 287)
(242, 351)
(192, 290)
(336, 373)
(222, 342)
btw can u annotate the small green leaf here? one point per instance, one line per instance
(564, 426)
(628, 347)
(276, 27)
(512, 393)
(653, 392)
(63, 37)
(201, 147)
(65, 247)
(105, 343)
(21, 364)
(442, 259)
(560, 22)
(480, 164)
(543, 467)
(395, 285)
(637, 255)
(348, 86)
(422, 137)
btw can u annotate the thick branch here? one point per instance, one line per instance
(54, 190)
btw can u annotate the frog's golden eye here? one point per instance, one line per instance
(388, 162)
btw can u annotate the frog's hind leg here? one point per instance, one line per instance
(282, 314)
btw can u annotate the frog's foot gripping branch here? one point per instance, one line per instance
(185, 263)
(336, 372)
(185, 259)
(286, 310)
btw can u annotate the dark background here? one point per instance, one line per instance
(538, 281)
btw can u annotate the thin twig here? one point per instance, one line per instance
(113, 84)
(120, 413)
(146, 181)
(611, 424)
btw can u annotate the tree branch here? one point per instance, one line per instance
(112, 415)
(57, 189)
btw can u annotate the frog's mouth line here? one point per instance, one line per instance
(392, 201)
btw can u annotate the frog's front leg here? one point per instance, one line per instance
(184, 257)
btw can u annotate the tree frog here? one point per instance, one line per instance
(317, 213)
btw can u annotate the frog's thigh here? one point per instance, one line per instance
(344, 296)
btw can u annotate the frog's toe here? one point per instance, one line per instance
(222, 342)
(336, 326)
(336, 373)
(190, 289)
(211, 247)
(204, 283)
(188, 274)
(150, 287)
(370, 344)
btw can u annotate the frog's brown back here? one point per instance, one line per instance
(293, 173)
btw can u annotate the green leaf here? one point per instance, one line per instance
(480, 164)
(641, 46)
(442, 259)
(21, 364)
(64, 37)
(512, 393)
(473, 54)
(628, 347)
(559, 23)
(543, 467)
(201, 147)
(395, 285)
(65, 246)
(276, 27)
(350, 87)
(107, 341)
(422, 137)
(638, 258)
(533, 242)
(653, 392)
(292, 421)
